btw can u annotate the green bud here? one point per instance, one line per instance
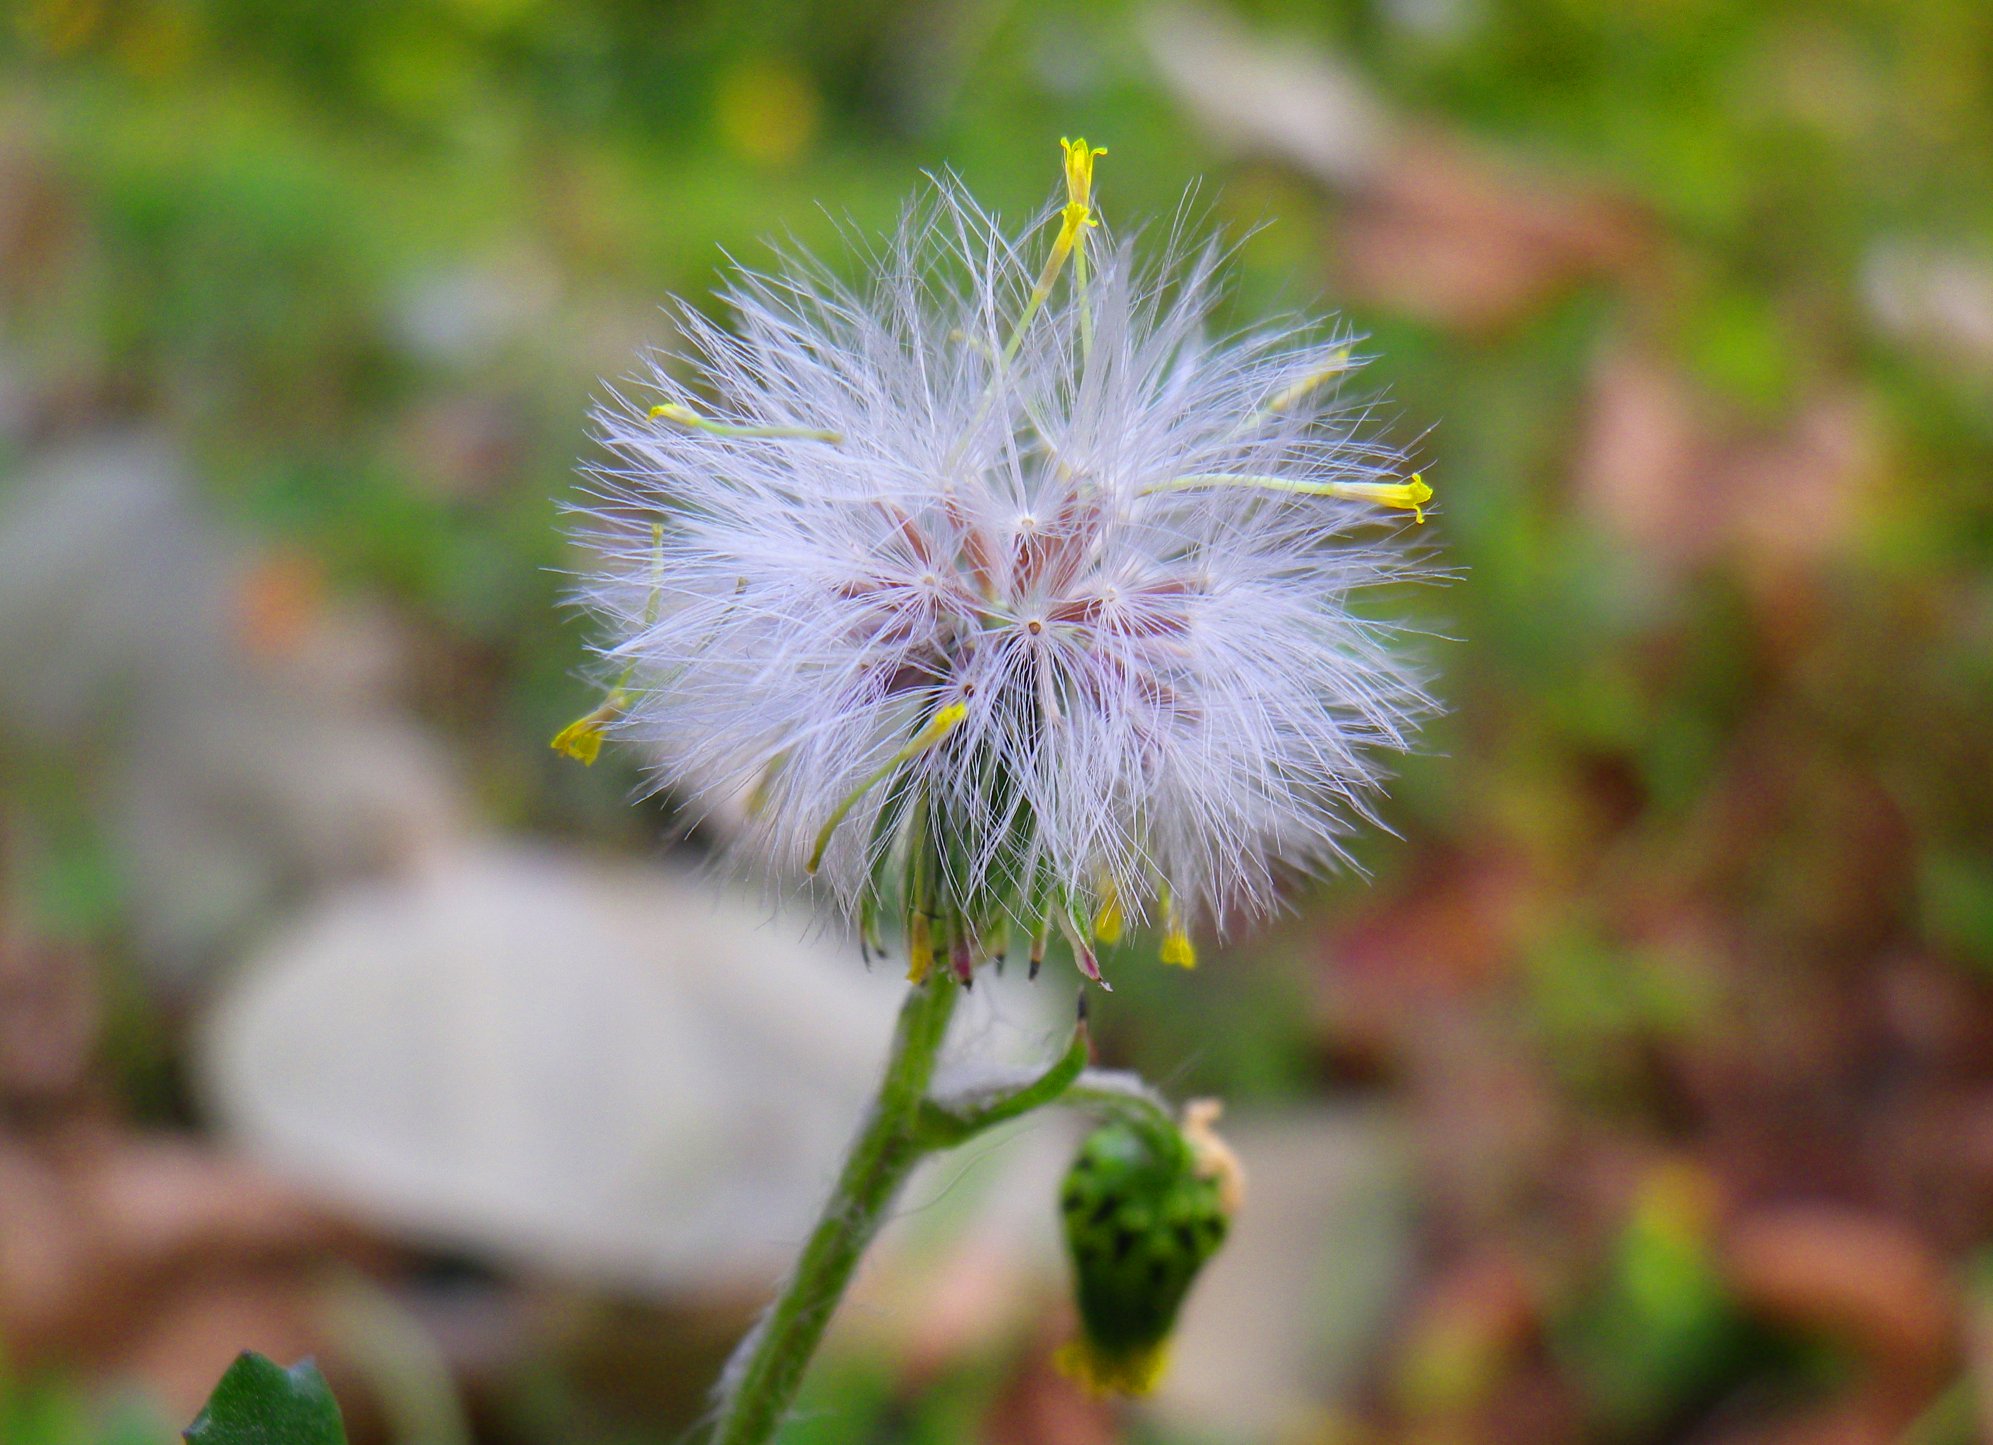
(1143, 1211)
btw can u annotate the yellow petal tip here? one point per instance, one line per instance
(940, 725)
(580, 740)
(1101, 1373)
(1410, 495)
(1079, 184)
(1109, 921)
(920, 949)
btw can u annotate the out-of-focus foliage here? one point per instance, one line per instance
(1681, 970)
(53, 1412)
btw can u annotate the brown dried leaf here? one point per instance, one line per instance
(1473, 243)
(1864, 1279)
(101, 1226)
(48, 1024)
(1684, 479)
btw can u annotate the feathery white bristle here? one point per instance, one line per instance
(1168, 682)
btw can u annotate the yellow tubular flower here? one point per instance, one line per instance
(582, 738)
(1076, 217)
(920, 948)
(1078, 213)
(1338, 364)
(680, 415)
(1177, 950)
(1109, 920)
(1407, 496)
(1073, 222)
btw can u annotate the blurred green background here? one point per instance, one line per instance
(1663, 1030)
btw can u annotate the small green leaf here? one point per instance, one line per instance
(258, 1402)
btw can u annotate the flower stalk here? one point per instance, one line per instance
(904, 1126)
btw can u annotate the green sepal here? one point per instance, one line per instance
(880, 852)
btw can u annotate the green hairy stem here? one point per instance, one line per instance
(762, 1380)
(904, 1126)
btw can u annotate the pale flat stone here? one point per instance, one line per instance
(1285, 1315)
(613, 1071)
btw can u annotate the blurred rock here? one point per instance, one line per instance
(1436, 229)
(575, 1066)
(1283, 99)
(462, 316)
(1287, 1314)
(242, 730)
(1936, 303)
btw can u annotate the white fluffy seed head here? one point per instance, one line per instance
(1134, 553)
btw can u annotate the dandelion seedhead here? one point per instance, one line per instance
(1007, 598)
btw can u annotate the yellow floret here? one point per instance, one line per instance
(1100, 1373)
(1109, 920)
